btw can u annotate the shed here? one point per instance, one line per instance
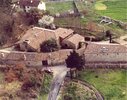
(73, 42)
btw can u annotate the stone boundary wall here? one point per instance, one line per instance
(110, 65)
(112, 60)
(32, 58)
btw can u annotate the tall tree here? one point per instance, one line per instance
(74, 60)
(109, 34)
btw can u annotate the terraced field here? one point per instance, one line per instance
(116, 9)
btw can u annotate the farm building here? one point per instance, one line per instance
(73, 41)
(35, 36)
(105, 53)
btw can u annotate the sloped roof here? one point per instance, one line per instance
(105, 48)
(32, 3)
(63, 32)
(75, 39)
(35, 36)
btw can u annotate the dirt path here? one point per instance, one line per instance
(59, 75)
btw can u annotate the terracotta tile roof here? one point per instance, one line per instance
(32, 3)
(107, 48)
(75, 39)
(35, 36)
(63, 32)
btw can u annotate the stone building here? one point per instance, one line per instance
(105, 55)
(35, 36)
(73, 41)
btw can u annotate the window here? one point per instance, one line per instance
(45, 62)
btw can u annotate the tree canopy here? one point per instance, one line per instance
(74, 60)
(49, 46)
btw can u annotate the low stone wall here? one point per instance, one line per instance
(112, 60)
(106, 57)
(110, 65)
(32, 58)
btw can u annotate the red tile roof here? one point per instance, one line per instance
(107, 48)
(36, 36)
(63, 32)
(76, 38)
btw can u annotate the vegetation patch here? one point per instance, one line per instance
(111, 83)
(116, 9)
(100, 6)
(59, 7)
(76, 91)
(46, 87)
(22, 83)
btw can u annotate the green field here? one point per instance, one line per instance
(111, 83)
(117, 9)
(59, 7)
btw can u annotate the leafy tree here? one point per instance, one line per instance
(109, 34)
(49, 46)
(33, 16)
(74, 60)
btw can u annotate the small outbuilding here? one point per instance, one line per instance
(73, 42)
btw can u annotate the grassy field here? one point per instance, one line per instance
(112, 84)
(59, 7)
(116, 9)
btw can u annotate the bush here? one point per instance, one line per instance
(49, 46)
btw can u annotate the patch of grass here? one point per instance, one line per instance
(100, 6)
(111, 83)
(59, 7)
(45, 87)
(115, 9)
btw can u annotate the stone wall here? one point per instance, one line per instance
(112, 60)
(32, 58)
